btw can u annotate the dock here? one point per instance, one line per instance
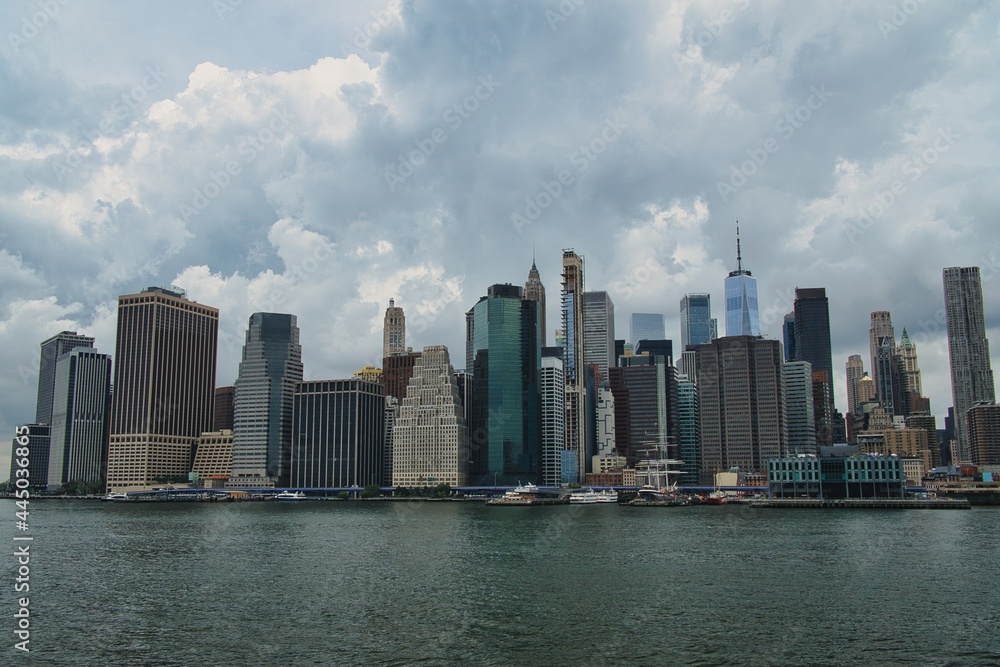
(864, 503)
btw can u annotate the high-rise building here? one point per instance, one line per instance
(865, 391)
(391, 414)
(909, 371)
(213, 458)
(855, 369)
(224, 400)
(535, 291)
(741, 404)
(552, 381)
(982, 422)
(645, 326)
(788, 334)
(697, 323)
(742, 315)
(50, 350)
(887, 376)
(880, 330)
(812, 333)
(396, 373)
(164, 387)
(32, 442)
(645, 391)
(687, 426)
(393, 330)
(80, 411)
(798, 379)
(968, 348)
(262, 410)
(927, 422)
(598, 331)
(430, 440)
(823, 412)
(337, 436)
(573, 359)
(470, 327)
(506, 399)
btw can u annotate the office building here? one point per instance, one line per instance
(812, 334)
(690, 434)
(741, 397)
(880, 335)
(798, 379)
(982, 422)
(742, 315)
(49, 351)
(80, 412)
(225, 397)
(552, 380)
(788, 336)
(506, 398)
(646, 403)
(838, 473)
(697, 324)
(388, 434)
(213, 458)
(35, 438)
(968, 348)
(397, 371)
(645, 326)
(573, 358)
(909, 370)
(337, 436)
(265, 388)
(855, 370)
(598, 331)
(164, 386)
(430, 440)
(393, 330)
(534, 290)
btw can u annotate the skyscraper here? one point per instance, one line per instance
(697, 324)
(337, 436)
(50, 350)
(80, 412)
(573, 359)
(598, 331)
(164, 387)
(552, 381)
(430, 440)
(741, 404)
(742, 317)
(788, 334)
(812, 333)
(645, 326)
(855, 369)
(535, 291)
(881, 328)
(909, 370)
(506, 399)
(262, 409)
(224, 398)
(798, 381)
(687, 426)
(393, 330)
(968, 348)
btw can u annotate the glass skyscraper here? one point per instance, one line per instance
(812, 332)
(742, 316)
(645, 326)
(598, 331)
(697, 325)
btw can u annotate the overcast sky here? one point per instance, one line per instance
(320, 158)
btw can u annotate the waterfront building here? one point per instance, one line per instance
(430, 440)
(798, 379)
(265, 388)
(80, 412)
(742, 315)
(968, 349)
(812, 335)
(741, 404)
(337, 436)
(552, 380)
(913, 470)
(506, 393)
(697, 324)
(225, 398)
(835, 477)
(393, 330)
(598, 331)
(688, 430)
(982, 423)
(855, 370)
(645, 326)
(38, 445)
(49, 352)
(164, 386)
(213, 458)
(534, 290)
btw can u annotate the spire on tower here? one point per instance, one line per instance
(739, 257)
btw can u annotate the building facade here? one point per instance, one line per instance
(855, 370)
(393, 330)
(742, 312)
(697, 324)
(164, 386)
(534, 290)
(225, 397)
(645, 326)
(982, 423)
(552, 380)
(49, 352)
(812, 333)
(598, 331)
(798, 381)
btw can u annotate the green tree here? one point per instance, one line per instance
(344, 495)
(371, 491)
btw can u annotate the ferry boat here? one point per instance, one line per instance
(587, 496)
(114, 497)
(527, 494)
(290, 495)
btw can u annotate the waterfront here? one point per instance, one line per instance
(317, 583)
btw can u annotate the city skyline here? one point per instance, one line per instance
(130, 185)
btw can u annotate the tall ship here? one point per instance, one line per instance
(656, 475)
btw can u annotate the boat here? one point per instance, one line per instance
(290, 495)
(114, 497)
(527, 494)
(657, 474)
(587, 496)
(653, 496)
(716, 497)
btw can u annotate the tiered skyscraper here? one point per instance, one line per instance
(164, 388)
(968, 348)
(393, 330)
(430, 440)
(262, 408)
(534, 290)
(742, 317)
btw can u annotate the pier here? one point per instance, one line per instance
(864, 503)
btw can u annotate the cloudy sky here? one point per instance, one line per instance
(319, 158)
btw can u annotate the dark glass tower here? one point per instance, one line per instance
(50, 351)
(506, 394)
(80, 413)
(697, 326)
(812, 333)
(262, 410)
